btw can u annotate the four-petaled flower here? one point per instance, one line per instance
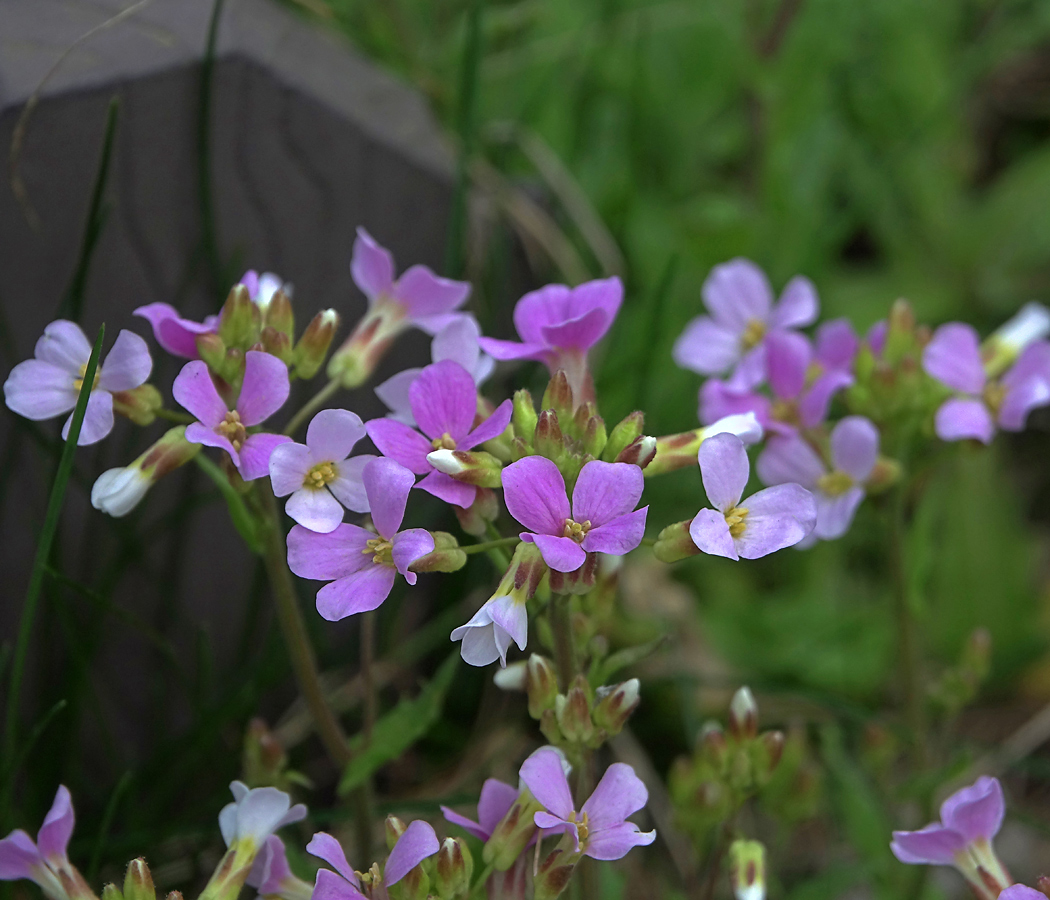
(600, 829)
(48, 385)
(444, 402)
(319, 475)
(255, 814)
(770, 520)
(603, 518)
(838, 492)
(495, 800)
(43, 861)
(263, 392)
(953, 356)
(740, 302)
(359, 563)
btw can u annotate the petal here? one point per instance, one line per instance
(495, 802)
(387, 485)
(372, 266)
(619, 793)
(409, 546)
(534, 492)
(18, 856)
(394, 393)
(444, 400)
(835, 514)
(720, 401)
(543, 775)
(39, 390)
(255, 454)
(329, 886)
(778, 517)
(416, 843)
(360, 592)
(492, 427)
(547, 306)
(737, 292)
(512, 616)
(270, 867)
(1021, 892)
(348, 487)
(855, 447)
(260, 813)
(617, 536)
(468, 825)
(605, 491)
(458, 341)
(478, 636)
(744, 425)
(710, 533)
(63, 344)
(333, 433)
(196, 433)
(551, 825)
(953, 356)
(560, 553)
(324, 557)
(581, 333)
(814, 403)
(1034, 362)
(876, 337)
(1020, 399)
(265, 388)
(127, 365)
(176, 335)
(324, 846)
(401, 443)
(975, 812)
(118, 491)
(615, 842)
(98, 419)
(424, 294)
(315, 509)
(194, 391)
(506, 350)
(959, 419)
(707, 347)
(933, 845)
(724, 469)
(836, 344)
(446, 488)
(798, 305)
(289, 464)
(788, 459)
(787, 357)
(53, 837)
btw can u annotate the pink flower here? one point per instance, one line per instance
(1021, 892)
(45, 861)
(768, 521)
(600, 829)
(836, 345)
(255, 814)
(603, 518)
(444, 403)
(263, 392)
(318, 474)
(497, 797)
(48, 385)
(359, 564)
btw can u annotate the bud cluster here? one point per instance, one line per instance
(445, 875)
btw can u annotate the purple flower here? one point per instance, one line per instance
(740, 302)
(444, 403)
(491, 630)
(48, 385)
(600, 829)
(263, 392)
(457, 341)
(360, 564)
(42, 861)
(261, 288)
(953, 356)
(772, 519)
(319, 475)
(836, 345)
(497, 797)
(838, 492)
(558, 325)
(255, 814)
(175, 334)
(1021, 892)
(603, 518)
(270, 874)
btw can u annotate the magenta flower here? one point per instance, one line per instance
(600, 829)
(263, 392)
(319, 475)
(742, 312)
(495, 801)
(970, 818)
(770, 520)
(45, 860)
(953, 356)
(444, 403)
(359, 564)
(48, 385)
(417, 842)
(838, 492)
(558, 325)
(603, 518)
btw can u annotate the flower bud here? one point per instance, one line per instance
(445, 557)
(453, 869)
(558, 396)
(263, 759)
(279, 315)
(118, 491)
(541, 685)
(743, 714)
(241, 321)
(173, 895)
(678, 451)
(548, 439)
(470, 467)
(212, 350)
(747, 870)
(711, 744)
(414, 886)
(593, 436)
(524, 416)
(476, 517)
(138, 883)
(885, 474)
(312, 347)
(139, 404)
(674, 542)
(111, 892)
(554, 875)
(640, 452)
(579, 582)
(278, 344)
(393, 828)
(625, 431)
(573, 711)
(1043, 884)
(354, 362)
(615, 705)
(514, 677)
(513, 832)
(773, 744)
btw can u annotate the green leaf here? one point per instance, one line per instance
(399, 729)
(621, 659)
(246, 524)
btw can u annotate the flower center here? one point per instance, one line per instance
(735, 520)
(320, 475)
(753, 333)
(78, 383)
(233, 429)
(582, 825)
(445, 442)
(835, 484)
(381, 550)
(576, 530)
(785, 411)
(993, 396)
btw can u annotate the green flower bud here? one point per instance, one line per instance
(278, 344)
(548, 439)
(212, 350)
(674, 542)
(640, 452)
(111, 892)
(512, 833)
(445, 557)
(554, 874)
(139, 404)
(623, 434)
(241, 321)
(541, 685)
(574, 712)
(279, 315)
(558, 396)
(393, 828)
(615, 705)
(138, 883)
(747, 870)
(453, 869)
(524, 417)
(312, 348)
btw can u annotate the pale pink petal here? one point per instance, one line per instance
(63, 344)
(976, 812)
(458, 341)
(176, 335)
(615, 842)
(836, 344)
(778, 517)
(315, 509)
(710, 533)
(424, 294)
(356, 593)
(551, 825)
(707, 347)
(855, 447)
(98, 419)
(196, 433)
(1021, 398)
(417, 842)
(724, 469)
(446, 488)
(798, 305)
(18, 857)
(348, 486)
(53, 837)
(507, 350)
(329, 886)
(560, 553)
(492, 427)
(953, 356)
(737, 292)
(1021, 892)
(580, 333)
(835, 514)
(789, 459)
(323, 557)
(255, 453)
(619, 794)
(787, 357)
(270, 867)
(543, 775)
(549, 305)
(39, 390)
(959, 419)
(814, 403)
(265, 387)
(534, 492)
(933, 845)
(495, 802)
(387, 485)
(372, 266)
(394, 393)
(127, 365)
(324, 846)
(333, 433)
(719, 401)
(289, 464)
(444, 400)
(410, 545)
(605, 491)
(400, 443)
(513, 618)
(195, 392)
(617, 536)
(468, 825)
(482, 641)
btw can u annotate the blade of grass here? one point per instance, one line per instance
(103, 826)
(36, 734)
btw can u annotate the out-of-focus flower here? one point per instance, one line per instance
(48, 385)
(359, 564)
(1031, 323)
(836, 345)
(1021, 892)
(767, 521)
(118, 491)
(319, 474)
(271, 876)
(44, 861)
(747, 870)
(496, 799)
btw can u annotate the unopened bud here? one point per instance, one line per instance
(615, 705)
(558, 396)
(279, 315)
(138, 883)
(550, 729)
(548, 439)
(212, 350)
(312, 347)
(679, 451)
(640, 452)
(470, 467)
(554, 875)
(773, 744)
(264, 758)
(240, 321)
(593, 435)
(393, 828)
(514, 677)
(139, 404)
(445, 557)
(574, 713)
(415, 885)
(111, 892)
(542, 685)
(278, 344)
(674, 542)
(118, 491)
(625, 431)
(524, 417)
(476, 517)
(743, 714)
(711, 744)
(173, 895)
(513, 832)
(453, 869)
(885, 474)
(747, 868)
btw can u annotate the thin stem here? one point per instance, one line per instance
(363, 794)
(173, 415)
(564, 647)
(311, 405)
(491, 545)
(300, 652)
(707, 889)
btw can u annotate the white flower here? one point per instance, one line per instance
(256, 814)
(1030, 323)
(744, 425)
(117, 492)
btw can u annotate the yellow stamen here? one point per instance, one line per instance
(582, 825)
(993, 396)
(233, 429)
(381, 551)
(834, 484)
(319, 475)
(576, 530)
(753, 334)
(445, 442)
(735, 520)
(78, 383)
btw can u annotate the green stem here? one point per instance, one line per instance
(315, 402)
(300, 652)
(479, 885)
(491, 545)
(173, 415)
(564, 647)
